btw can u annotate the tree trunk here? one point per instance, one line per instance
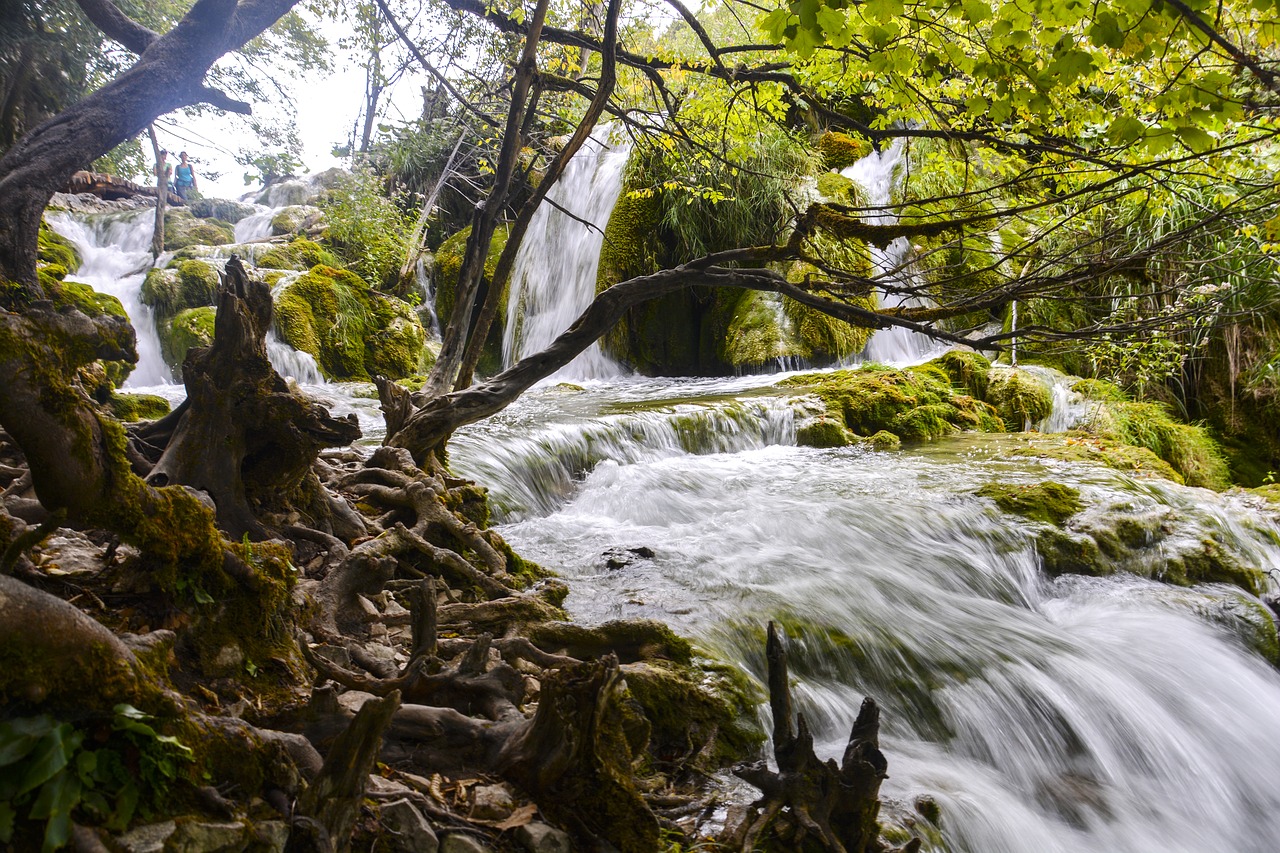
(245, 437)
(162, 195)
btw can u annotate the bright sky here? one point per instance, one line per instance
(328, 108)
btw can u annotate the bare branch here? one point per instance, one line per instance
(107, 17)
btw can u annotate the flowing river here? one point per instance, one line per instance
(1069, 715)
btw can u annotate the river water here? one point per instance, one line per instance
(1070, 715)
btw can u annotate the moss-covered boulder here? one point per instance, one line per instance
(220, 208)
(352, 331)
(192, 327)
(967, 370)
(293, 218)
(824, 432)
(91, 303)
(182, 229)
(839, 150)
(138, 407)
(1049, 502)
(753, 336)
(910, 404)
(301, 254)
(54, 249)
(183, 284)
(1020, 398)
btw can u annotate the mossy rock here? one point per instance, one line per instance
(138, 407)
(54, 249)
(814, 335)
(907, 403)
(966, 370)
(823, 432)
(1021, 400)
(1080, 446)
(1050, 502)
(223, 209)
(1099, 390)
(91, 303)
(692, 711)
(290, 219)
(192, 327)
(301, 255)
(839, 150)
(884, 440)
(1188, 449)
(185, 284)
(352, 331)
(837, 188)
(182, 229)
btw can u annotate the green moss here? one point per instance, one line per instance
(185, 284)
(705, 714)
(815, 335)
(753, 337)
(352, 331)
(839, 150)
(52, 249)
(1019, 398)
(139, 407)
(1097, 389)
(907, 403)
(965, 369)
(823, 432)
(291, 218)
(89, 301)
(1080, 446)
(885, 440)
(1188, 449)
(191, 328)
(1050, 502)
(181, 230)
(301, 255)
(226, 210)
(836, 187)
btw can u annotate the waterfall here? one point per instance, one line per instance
(1067, 715)
(255, 226)
(875, 174)
(554, 278)
(116, 249)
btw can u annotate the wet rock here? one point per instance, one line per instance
(617, 558)
(195, 836)
(1049, 502)
(492, 802)
(458, 843)
(147, 839)
(270, 836)
(405, 829)
(541, 838)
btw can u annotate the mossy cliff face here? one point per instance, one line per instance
(352, 331)
(449, 259)
(181, 230)
(912, 404)
(54, 249)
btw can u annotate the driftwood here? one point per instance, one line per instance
(111, 188)
(808, 804)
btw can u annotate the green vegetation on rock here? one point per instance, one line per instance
(910, 404)
(1188, 449)
(220, 208)
(184, 284)
(53, 248)
(182, 229)
(353, 332)
(290, 219)
(138, 407)
(301, 254)
(839, 150)
(1050, 502)
(1019, 397)
(192, 327)
(967, 370)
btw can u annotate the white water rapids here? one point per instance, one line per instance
(1076, 715)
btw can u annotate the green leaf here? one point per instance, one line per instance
(976, 11)
(55, 802)
(50, 756)
(1125, 130)
(1195, 138)
(7, 816)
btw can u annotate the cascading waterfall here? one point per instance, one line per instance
(875, 174)
(116, 250)
(554, 278)
(1076, 715)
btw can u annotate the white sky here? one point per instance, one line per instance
(328, 107)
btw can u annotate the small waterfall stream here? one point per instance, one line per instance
(554, 278)
(875, 173)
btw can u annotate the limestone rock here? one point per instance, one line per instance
(492, 802)
(406, 829)
(541, 838)
(147, 839)
(462, 844)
